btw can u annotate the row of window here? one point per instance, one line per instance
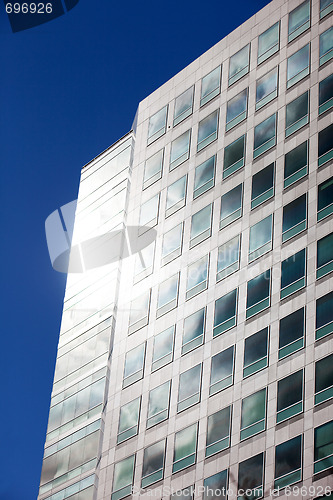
(288, 460)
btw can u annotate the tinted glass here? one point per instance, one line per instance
(253, 408)
(326, 42)
(157, 123)
(296, 109)
(237, 105)
(231, 201)
(266, 85)
(158, 403)
(216, 486)
(201, 221)
(183, 105)
(258, 288)
(288, 456)
(262, 181)
(172, 240)
(153, 458)
(299, 16)
(225, 307)
(325, 140)
(228, 253)
(325, 250)
(256, 347)
(261, 234)
(234, 152)
(323, 441)
(208, 128)
(176, 192)
(296, 159)
(209, 84)
(218, 425)
(325, 193)
(326, 89)
(189, 383)
(293, 268)
(123, 473)
(222, 365)
(264, 131)
(163, 343)
(197, 273)
(168, 290)
(129, 416)
(298, 62)
(324, 373)
(134, 360)
(290, 390)
(291, 327)
(185, 442)
(250, 473)
(324, 310)
(204, 173)
(294, 212)
(239, 62)
(153, 167)
(180, 147)
(194, 326)
(268, 40)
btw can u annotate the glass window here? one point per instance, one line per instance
(293, 273)
(215, 487)
(172, 244)
(185, 448)
(207, 131)
(299, 20)
(296, 164)
(201, 225)
(326, 6)
(189, 388)
(153, 169)
(236, 109)
(158, 405)
(326, 94)
(251, 478)
(129, 420)
(225, 312)
(167, 295)
(183, 106)
(253, 415)
(204, 177)
(210, 85)
(297, 113)
(258, 293)
(193, 333)
(324, 379)
(288, 462)
(228, 258)
(180, 150)
(163, 348)
(323, 447)
(298, 65)
(144, 261)
(267, 88)
(324, 316)
(262, 186)
(234, 157)
(218, 431)
(239, 64)
(157, 124)
(255, 352)
(134, 364)
(268, 42)
(325, 199)
(139, 313)
(264, 136)
(291, 333)
(326, 46)
(123, 478)
(289, 396)
(231, 206)
(325, 255)
(153, 463)
(261, 238)
(294, 218)
(222, 370)
(185, 494)
(197, 277)
(176, 196)
(325, 145)
(149, 212)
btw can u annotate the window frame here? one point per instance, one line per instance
(230, 268)
(206, 233)
(256, 426)
(265, 247)
(296, 344)
(327, 328)
(141, 322)
(145, 226)
(295, 408)
(303, 72)
(130, 431)
(139, 373)
(171, 209)
(171, 304)
(257, 491)
(294, 475)
(212, 136)
(159, 362)
(187, 112)
(152, 138)
(327, 267)
(266, 54)
(300, 282)
(214, 92)
(305, 24)
(325, 10)
(303, 120)
(327, 210)
(264, 303)
(162, 415)
(323, 394)
(298, 228)
(148, 181)
(236, 214)
(156, 475)
(188, 460)
(241, 72)
(328, 154)
(229, 322)
(176, 252)
(224, 442)
(327, 56)
(191, 399)
(221, 486)
(260, 363)
(238, 164)
(125, 490)
(325, 462)
(201, 285)
(227, 380)
(195, 342)
(242, 115)
(270, 143)
(198, 189)
(264, 195)
(272, 95)
(302, 171)
(328, 104)
(174, 163)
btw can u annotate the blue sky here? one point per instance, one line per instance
(69, 89)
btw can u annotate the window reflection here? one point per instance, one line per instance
(157, 124)
(176, 196)
(268, 42)
(298, 65)
(183, 106)
(180, 150)
(207, 131)
(266, 89)
(210, 85)
(239, 64)
(236, 109)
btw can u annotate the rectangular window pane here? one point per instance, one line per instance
(123, 478)
(158, 405)
(153, 463)
(234, 156)
(251, 477)
(326, 94)
(236, 109)
(264, 136)
(201, 225)
(262, 186)
(167, 295)
(258, 293)
(180, 150)
(176, 196)
(291, 334)
(153, 169)
(172, 244)
(239, 64)
(325, 255)
(231, 206)
(261, 235)
(298, 65)
(268, 42)
(210, 85)
(325, 145)
(225, 312)
(134, 364)
(326, 46)
(218, 431)
(189, 388)
(222, 370)
(144, 261)
(325, 199)
(183, 106)
(253, 416)
(324, 315)
(139, 313)
(163, 348)
(197, 277)
(185, 448)
(299, 20)
(193, 333)
(293, 273)
(255, 352)
(157, 124)
(326, 7)
(207, 131)
(149, 212)
(204, 177)
(216, 486)
(296, 164)
(289, 396)
(288, 462)
(324, 379)
(129, 420)
(297, 113)
(323, 447)
(294, 218)
(267, 88)
(228, 258)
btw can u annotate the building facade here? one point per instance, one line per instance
(199, 364)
